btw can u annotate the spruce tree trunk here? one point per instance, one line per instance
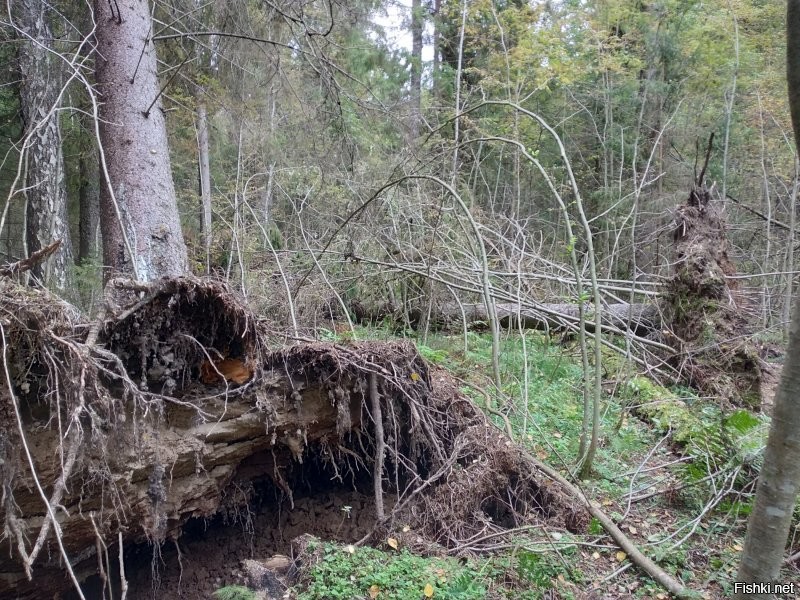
(142, 216)
(46, 195)
(779, 480)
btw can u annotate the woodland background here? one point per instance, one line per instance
(304, 128)
(480, 167)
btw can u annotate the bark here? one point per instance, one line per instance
(45, 186)
(205, 179)
(779, 480)
(141, 218)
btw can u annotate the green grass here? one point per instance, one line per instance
(552, 425)
(234, 592)
(346, 572)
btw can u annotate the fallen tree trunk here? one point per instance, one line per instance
(126, 428)
(641, 319)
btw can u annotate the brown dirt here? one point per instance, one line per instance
(212, 550)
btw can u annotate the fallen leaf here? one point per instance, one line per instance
(632, 529)
(428, 590)
(737, 547)
(595, 555)
(392, 542)
(374, 590)
(620, 556)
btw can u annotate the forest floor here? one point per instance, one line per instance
(674, 472)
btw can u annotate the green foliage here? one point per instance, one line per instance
(340, 574)
(716, 442)
(87, 283)
(235, 592)
(435, 356)
(538, 569)
(743, 421)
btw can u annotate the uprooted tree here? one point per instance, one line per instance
(120, 431)
(706, 316)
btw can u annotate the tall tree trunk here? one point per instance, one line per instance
(417, 23)
(779, 480)
(205, 179)
(45, 186)
(140, 222)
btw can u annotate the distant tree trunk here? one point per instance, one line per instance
(88, 196)
(779, 480)
(437, 8)
(417, 23)
(140, 222)
(88, 190)
(205, 180)
(45, 187)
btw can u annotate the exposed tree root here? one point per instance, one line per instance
(131, 441)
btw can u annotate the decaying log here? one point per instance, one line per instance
(641, 319)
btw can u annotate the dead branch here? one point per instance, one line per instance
(28, 263)
(380, 446)
(672, 585)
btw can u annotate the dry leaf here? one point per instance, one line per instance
(428, 590)
(595, 555)
(631, 528)
(392, 542)
(374, 590)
